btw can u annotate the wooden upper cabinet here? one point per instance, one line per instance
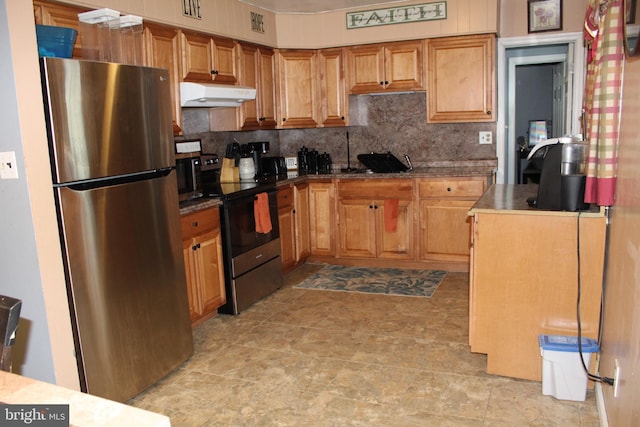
(297, 83)
(60, 16)
(333, 94)
(386, 67)
(461, 76)
(257, 69)
(208, 59)
(162, 50)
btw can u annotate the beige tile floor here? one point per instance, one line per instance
(320, 358)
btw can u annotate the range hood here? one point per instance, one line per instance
(206, 95)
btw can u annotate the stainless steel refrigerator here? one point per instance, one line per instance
(112, 156)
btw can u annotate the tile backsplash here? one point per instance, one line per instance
(390, 122)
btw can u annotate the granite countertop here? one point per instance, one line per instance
(435, 169)
(84, 409)
(512, 199)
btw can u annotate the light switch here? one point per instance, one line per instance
(8, 167)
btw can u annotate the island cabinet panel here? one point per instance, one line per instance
(461, 79)
(524, 281)
(322, 219)
(376, 219)
(444, 225)
(202, 251)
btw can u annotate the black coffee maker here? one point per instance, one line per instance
(258, 149)
(562, 179)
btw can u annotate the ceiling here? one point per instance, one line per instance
(313, 6)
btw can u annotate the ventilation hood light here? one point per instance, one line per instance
(205, 95)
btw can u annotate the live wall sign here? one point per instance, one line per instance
(397, 15)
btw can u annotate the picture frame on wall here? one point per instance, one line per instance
(544, 15)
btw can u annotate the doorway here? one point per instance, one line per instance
(541, 76)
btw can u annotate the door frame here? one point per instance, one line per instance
(575, 76)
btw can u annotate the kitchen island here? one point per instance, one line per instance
(84, 409)
(524, 275)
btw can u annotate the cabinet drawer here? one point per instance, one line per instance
(452, 187)
(378, 189)
(200, 222)
(285, 197)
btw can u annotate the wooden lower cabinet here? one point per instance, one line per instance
(202, 251)
(322, 218)
(365, 230)
(293, 217)
(444, 224)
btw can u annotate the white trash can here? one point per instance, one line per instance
(563, 376)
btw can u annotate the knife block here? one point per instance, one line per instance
(229, 172)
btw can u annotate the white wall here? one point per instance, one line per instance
(30, 257)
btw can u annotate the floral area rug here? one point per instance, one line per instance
(390, 281)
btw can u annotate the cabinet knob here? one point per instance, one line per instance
(341, 117)
(375, 206)
(381, 83)
(214, 72)
(448, 188)
(386, 82)
(284, 119)
(195, 247)
(194, 224)
(489, 112)
(370, 206)
(294, 211)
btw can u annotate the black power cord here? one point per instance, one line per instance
(597, 378)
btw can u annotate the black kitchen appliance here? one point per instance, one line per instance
(562, 179)
(274, 166)
(258, 150)
(382, 163)
(253, 268)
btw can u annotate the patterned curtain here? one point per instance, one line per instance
(604, 32)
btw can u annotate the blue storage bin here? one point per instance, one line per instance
(55, 41)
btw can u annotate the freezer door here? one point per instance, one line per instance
(126, 277)
(106, 119)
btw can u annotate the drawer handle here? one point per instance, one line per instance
(195, 247)
(194, 224)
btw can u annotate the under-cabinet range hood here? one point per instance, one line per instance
(207, 95)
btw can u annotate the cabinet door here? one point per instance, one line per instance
(461, 79)
(396, 244)
(298, 89)
(266, 88)
(333, 93)
(59, 15)
(225, 61)
(248, 75)
(287, 237)
(188, 249)
(162, 50)
(197, 57)
(301, 218)
(445, 229)
(404, 69)
(357, 228)
(366, 69)
(322, 220)
(211, 271)
(287, 227)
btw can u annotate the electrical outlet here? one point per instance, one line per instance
(8, 167)
(484, 138)
(616, 378)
